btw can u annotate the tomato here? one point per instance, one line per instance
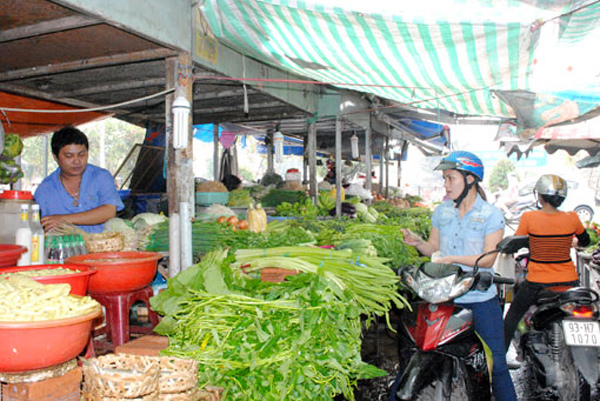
(242, 225)
(232, 221)
(222, 219)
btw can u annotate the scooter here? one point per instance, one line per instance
(559, 340)
(441, 356)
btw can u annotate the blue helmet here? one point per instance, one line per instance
(462, 161)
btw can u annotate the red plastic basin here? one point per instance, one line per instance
(78, 280)
(10, 254)
(37, 345)
(119, 271)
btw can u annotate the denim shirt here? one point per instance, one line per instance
(465, 236)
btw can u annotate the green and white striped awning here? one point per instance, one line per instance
(442, 54)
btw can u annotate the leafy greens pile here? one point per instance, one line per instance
(299, 339)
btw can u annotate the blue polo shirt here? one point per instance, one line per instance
(466, 235)
(97, 188)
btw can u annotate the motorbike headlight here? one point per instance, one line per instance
(438, 290)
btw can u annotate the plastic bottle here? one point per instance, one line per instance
(37, 237)
(23, 236)
(81, 245)
(51, 249)
(59, 256)
(68, 249)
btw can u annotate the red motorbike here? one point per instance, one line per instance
(441, 356)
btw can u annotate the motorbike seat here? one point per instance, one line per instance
(566, 294)
(551, 294)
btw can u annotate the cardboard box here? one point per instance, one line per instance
(145, 345)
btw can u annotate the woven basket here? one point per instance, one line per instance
(192, 394)
(121, 376)
(177, 375)
(93, 397)
(104, 242)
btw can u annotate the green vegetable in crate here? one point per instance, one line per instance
(239, 198)
(276, 197)
(12, 146)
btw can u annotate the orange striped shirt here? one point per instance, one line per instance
(550, 238)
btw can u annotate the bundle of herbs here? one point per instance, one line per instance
(371, 285)
(299, 339)
(208, 236)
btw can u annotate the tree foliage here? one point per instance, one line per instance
(119, 138)
(498, 180)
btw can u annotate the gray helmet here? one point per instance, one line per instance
(550, 184)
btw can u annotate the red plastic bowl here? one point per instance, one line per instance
(119, 271)
(10, 254)
(78, 280)
(37, 345)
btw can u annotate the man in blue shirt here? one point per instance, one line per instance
(76, 192)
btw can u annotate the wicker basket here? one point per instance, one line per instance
(104, 242)
(121, 376)
(177, 375)
(93, 397)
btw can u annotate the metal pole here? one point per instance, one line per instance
(387, 166)
(45, 157)
(368, 156)
(216, 152)
(312, 160)
(338, 166)
(270, 168)
(381, 170)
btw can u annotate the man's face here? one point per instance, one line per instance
(72, 159)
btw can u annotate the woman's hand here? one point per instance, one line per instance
(411, 238)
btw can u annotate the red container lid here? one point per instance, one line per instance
(16, 195)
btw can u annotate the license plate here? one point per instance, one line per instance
(582, 333)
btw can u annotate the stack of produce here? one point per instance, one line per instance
(210, 186)
(299, 339)
(10, 171)
(240, 198)
(24, 299)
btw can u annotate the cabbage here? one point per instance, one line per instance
(147, 219)
(118, 225)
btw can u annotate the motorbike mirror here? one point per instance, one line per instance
(513, 243)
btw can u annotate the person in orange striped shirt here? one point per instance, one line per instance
(551, 233)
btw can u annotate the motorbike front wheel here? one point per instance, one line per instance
(435, 391)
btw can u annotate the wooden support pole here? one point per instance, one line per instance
(180, 176)
(312, 160)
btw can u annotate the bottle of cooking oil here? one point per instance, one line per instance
(23, 236)
(37, 237)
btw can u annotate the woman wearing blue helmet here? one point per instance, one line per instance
(463, 228)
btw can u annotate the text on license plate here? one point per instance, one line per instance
(584, 333)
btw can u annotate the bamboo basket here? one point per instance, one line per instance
(148, 397)
(121, 376)
(177, 376)
(104, 242)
